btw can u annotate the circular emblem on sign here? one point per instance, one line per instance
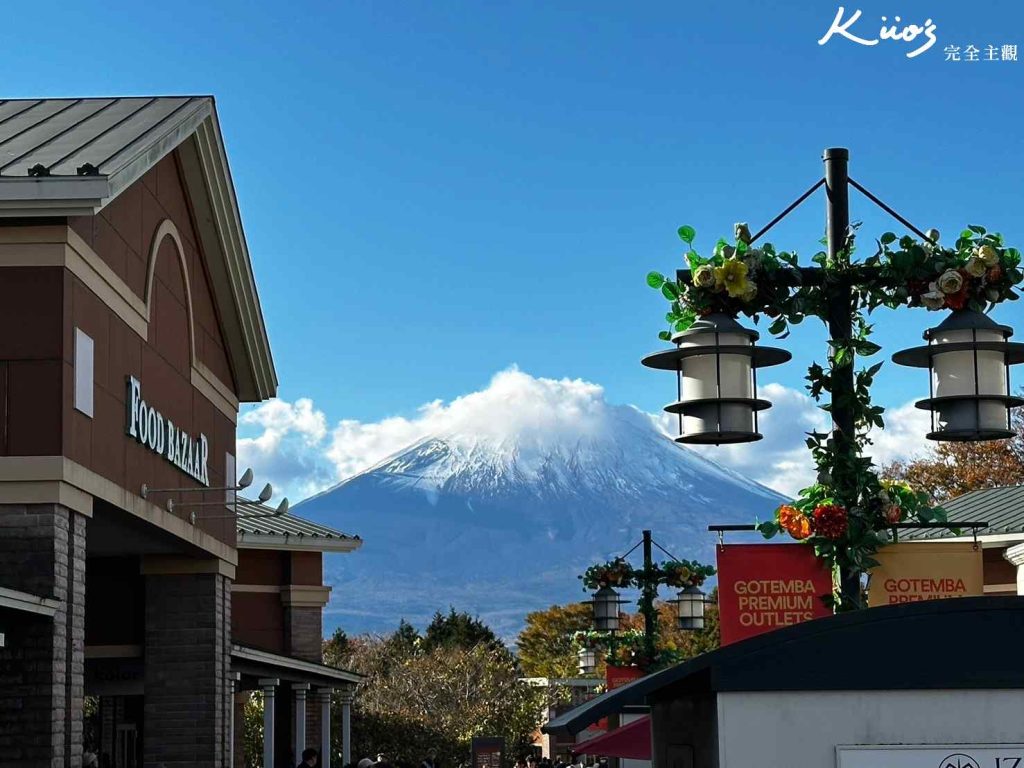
(959, 761)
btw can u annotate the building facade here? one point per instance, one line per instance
(130, 332)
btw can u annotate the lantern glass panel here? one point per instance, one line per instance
(953, 373)
(606, 610)
(690, 608)
(587, 660)
(717, 376)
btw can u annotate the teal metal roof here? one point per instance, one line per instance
(1002, 508)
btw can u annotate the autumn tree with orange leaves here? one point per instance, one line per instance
(953, 469)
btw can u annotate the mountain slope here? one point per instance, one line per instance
(500, 521)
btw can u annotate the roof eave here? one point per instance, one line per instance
(208, 179)
(47, 196)
(297, 543)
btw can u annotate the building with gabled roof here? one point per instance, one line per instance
(130, 333)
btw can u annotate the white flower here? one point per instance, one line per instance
(751, 293)
(742, 232)
(976, 266)
(704, 277)
(753, 261)
(950, 281)
(934, 299)
(988, 255)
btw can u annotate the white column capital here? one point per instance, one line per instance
(1015, 554)
(346, 695)
(268, 684)
(301, 689)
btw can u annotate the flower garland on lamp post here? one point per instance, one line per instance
(634, 647)
(846, 513)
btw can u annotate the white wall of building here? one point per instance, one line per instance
(802, 729)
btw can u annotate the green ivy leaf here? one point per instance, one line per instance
(888, 237)
(670, 290)
(665, 336)
(976, 229)
(655, 279)
(687, 234)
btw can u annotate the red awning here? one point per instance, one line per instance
(632, 740)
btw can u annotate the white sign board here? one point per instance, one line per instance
(932, 756)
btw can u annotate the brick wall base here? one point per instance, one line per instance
(42, 666)
(188, 660)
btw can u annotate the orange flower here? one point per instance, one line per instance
(794, 522)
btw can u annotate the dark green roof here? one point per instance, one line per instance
(1002, 508)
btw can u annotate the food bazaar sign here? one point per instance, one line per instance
(762, 587)
(158, 433)
(911, 572)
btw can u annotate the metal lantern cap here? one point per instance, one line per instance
(962, 320)
(760, 357)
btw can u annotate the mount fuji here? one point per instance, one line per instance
(497, 514)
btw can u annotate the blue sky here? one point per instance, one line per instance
(434, 191)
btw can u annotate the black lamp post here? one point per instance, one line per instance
(715, 358)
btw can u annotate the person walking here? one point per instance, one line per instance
(310, 757)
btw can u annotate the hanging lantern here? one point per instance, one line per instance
(588, 660)
(690, 608)
(715, 361)
(606, 609)
(968, 359)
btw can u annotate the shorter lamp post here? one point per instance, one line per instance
(606, 600)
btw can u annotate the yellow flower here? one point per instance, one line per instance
(975, 266)
(751, 293)
(704, 277)
(989, 255)
(733, 277)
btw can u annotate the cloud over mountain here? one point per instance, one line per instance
(293, 446)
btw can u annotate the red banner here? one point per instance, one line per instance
(616, 677)
(762, 587)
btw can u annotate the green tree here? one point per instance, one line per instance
(545, 644)
(952, 469)
(416, 698)
(458, 630)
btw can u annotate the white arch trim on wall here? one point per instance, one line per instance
(167, 229)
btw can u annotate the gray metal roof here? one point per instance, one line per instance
(1002, 508)
(256, 519)
(86, 137)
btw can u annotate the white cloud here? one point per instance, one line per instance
(782, 461)
(292, 446)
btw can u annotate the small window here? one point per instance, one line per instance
(84, 374)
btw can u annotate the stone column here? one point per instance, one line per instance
(324, 695)
(42, 662)
(347, 695)
(1015, 555)
(268, 684)
(187, 706)
(301, 689)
